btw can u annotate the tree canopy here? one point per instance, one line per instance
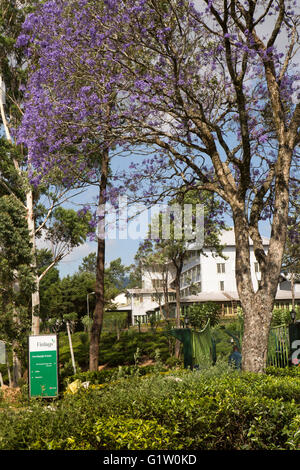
(210, 90)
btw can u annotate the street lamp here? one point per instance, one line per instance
(293, 315)
(87, 303)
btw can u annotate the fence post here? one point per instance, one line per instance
(71, 347)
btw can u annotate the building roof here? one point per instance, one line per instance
(123, 308)
(227, 238)
(159, 290)
(222, 296)
(218, 296)
(286, 295)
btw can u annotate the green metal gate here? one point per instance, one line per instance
(278, 346)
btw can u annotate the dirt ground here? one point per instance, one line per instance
(10, 395)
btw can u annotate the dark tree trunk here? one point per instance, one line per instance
(257, 321)
(166, 295)
(99, 288)
(258, 305)
(293, 290)
(178, 311)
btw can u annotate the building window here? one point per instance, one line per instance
(220, 268)
(195, 288)
(157, 283)
(191, 276)
(222, 285)
(141, 319)
(186, 292)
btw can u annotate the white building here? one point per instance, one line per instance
(208, 277)
(205, 277)
(152, 296)
(211, 273)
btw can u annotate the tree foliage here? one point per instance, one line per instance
(210, 90)
(66, 230)
(198, 315)
(61, 297)
(16, 275)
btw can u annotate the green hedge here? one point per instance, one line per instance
(208, 409)
(115, 352)
(108, 375)
(131, 433)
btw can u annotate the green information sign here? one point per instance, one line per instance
(43, 366)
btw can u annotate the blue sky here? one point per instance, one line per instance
(115, 248)
(125, 249)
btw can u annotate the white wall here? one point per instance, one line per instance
(211, 278)
(208, 274)
(140, 308)
(121, 299)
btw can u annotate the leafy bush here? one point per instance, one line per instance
(214, 408)
(108, 375)
(283, 372)
(281, 316)
(67, 370)
(114, 352)
(93, 377)
(199, 314)
(129, 433)
(293, 434)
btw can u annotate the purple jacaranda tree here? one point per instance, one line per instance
(71, 121)
(38, 203)
(212, 88)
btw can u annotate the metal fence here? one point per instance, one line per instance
(279, 346)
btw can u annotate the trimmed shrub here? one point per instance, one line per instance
(119, 433)
(293, 433)
(206, 409)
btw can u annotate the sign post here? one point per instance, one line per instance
(2, 359)
(43, 366)
(2, 353)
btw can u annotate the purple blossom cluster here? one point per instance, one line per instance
(137, 73)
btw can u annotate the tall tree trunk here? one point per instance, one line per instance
(258, 306)
(17, 366)
(166, 294)
(178, 312)
(99, 289)
(17, 369)
(35, 297)
(257, 320)
(178, 307)
(293, 290)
